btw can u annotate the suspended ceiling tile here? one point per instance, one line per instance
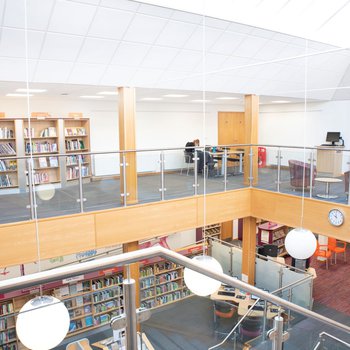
(61, 47)
(156, 11)
(192, 83)
(270, 51)
(291, 51)
(14, 14)
(85, 73)
(144, 29)
(203, 37)
(174, 76)
(212, 62)
(117, 75)
(227, 43)
(215, 82)
(121, 4)
(2, 10)
(65, 20)
(250, 46)
(263, 33)
(97, 50)
(130, 54)
(285, 38)
(146, 77)
(14, 69)
(110, 23)
(90, 2)
(233, 62)
(187, 17)
(216, 23)
(175, 34)
(12, 43)
(159, 57)
(52, 71)
(187, 60)
(239, 28)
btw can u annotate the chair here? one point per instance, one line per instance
(188, 157)
(322, 251)
(337, 247)
(296, 169)
(251, 327)
(223, 311)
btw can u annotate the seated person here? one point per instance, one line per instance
(201, 155)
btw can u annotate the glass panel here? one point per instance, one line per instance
(101, 181)
(267, 274)
(222, 254)
(236, 261)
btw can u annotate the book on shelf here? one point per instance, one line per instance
(48, 132)
(74, 132)
(6, 133)
(5, 181)
(53, 162)
(8, 165)
(87, 309)
(42, 162)
(89, 321)
(28, 132)
(7, 148)
(79, 300)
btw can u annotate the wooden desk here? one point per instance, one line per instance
(329, 160)
(245, 304)
(220, 156)
(109, 344)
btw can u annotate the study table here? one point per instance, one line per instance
(111, 344)
(327, 181)
(219, 155)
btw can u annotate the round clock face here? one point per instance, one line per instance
(336, 217)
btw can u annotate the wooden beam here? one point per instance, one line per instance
(127, 142)
(251, 118)
(226, 230)
(248, 250)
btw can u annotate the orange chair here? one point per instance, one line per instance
(337, 247)
(322, 251)
(223, 311)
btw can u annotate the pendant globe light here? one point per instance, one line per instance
(42, 323)
(300, 243)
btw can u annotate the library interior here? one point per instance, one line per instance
(174, 175)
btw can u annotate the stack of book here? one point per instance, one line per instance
(7, 148)
(6, 133)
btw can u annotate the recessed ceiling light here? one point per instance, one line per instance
(112, 93)
(31, 90)
(92, 96)
(280, 101)
(175, 95)
(18, 95)
(227, 98)
(201, 101)
(151, 99)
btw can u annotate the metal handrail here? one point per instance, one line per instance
(148, 253)
(334, 338)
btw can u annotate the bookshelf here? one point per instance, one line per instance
(8, 167)
(272, 233)
(41, 138)
(76, 140)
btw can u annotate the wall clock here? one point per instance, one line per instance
(336, 217)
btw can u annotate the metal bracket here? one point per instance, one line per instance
(122, 194)
(126, 164)
(78, 200)
(118, 322)
(160, 189)
(272, 334)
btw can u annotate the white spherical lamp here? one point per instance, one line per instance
(45, 192)
(300, 243)
(199, 284)
(42, 323)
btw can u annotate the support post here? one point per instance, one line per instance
(248, 250)
(127, 142)
(130, 313)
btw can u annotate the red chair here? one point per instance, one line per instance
(337, 247)
(322, 251)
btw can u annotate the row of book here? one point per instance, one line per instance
(168, 298)
(75, 325)
(6, 322)
(5, 181)
(74, 288)
(6, 133)
(147, 282)
(146, 271)
(46, 162)
(41, 147)
(73, 173)
(48, 132)
(111, 304)
(167, 277)
(77, 301)
(28, 132)
(107, 294)
(74, 160)
(74, 132)
(8, 165)
(168, 287)
(147, 293)
(72, 145)
(166, 265)
(107, 281)
(11, 346)
(7, 336)
(7, 148)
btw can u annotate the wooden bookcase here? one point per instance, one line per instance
(213, 230)
(42, 138)
(76, 140)
(272, 233)
(8, 168)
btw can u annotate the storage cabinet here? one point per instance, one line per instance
(272, 233)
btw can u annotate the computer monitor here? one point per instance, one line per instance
(333, 137)
(271, 250)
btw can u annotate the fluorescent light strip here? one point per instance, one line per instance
(151, 99)
(280, 101)
(227, 98)
(31, 90)
(18, 95)
(175, 95)
(110, 93)
(201, 101)
(92, 96)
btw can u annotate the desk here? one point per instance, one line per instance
(245, 304)
(110, 344)
(329, 160)
(220, 156)
(327, 181)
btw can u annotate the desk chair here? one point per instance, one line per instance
(251, 327)
(188, 158)
(337, 247)
(322, 251)
(224, 313)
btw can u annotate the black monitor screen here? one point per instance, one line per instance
(270, 250)
(333, 136)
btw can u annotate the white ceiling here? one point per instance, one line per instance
(126, 43)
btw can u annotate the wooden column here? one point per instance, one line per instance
(248, 250)
(251, 116)
(226, 230)
(134, 269)
(127, 142)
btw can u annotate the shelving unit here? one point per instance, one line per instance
(8, 167)
(272, 233)
(213, 230)
(76, 140)
(42, 138)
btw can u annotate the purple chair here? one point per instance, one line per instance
(296, 169)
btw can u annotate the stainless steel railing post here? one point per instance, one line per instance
(162, 178)
(130, 313)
